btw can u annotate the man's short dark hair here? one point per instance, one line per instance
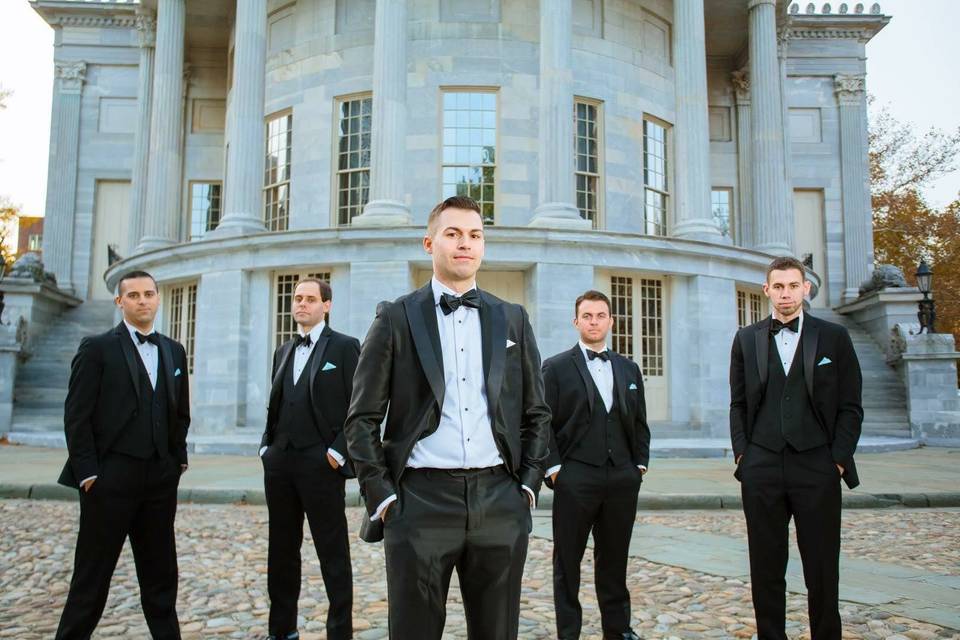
(326, 292)
(453, 202)
(132, 275)
(785, 263)
(592, 294)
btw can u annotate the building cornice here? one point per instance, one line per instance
(861, 28)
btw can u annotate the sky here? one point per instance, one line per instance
(910, 68)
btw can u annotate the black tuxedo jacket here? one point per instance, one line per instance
(401, 365)
(569, 393)
(330, 388)
(104, 394)
(832, 375)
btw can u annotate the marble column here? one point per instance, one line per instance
(693, 216)
(783, 48)
(147, 32)
(855, 183)
(162, 217)
(745, 213)
(556, 204)
(388, 132)
(243, 188)
(774, 230)
(58, 227)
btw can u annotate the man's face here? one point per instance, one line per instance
(138, 300)
(456, 245)
(308, 308)
(786, 290)
(593, 321)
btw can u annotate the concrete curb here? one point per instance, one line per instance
(646, 502)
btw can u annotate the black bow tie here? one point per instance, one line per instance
(304, 341)
(449, 303)
(593, 355)
(152, 337)
(776, 325)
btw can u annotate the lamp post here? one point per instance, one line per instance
(927, 313)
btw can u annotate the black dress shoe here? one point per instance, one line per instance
(293, 635)
(626, 635)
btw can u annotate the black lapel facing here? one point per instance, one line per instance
(762, 337)
(809, 337)
(619, 380)
(318, 350)
(287, 349)
(166, 368)
(578, 361)
(493, 336)
(422, 318)
(129, 354)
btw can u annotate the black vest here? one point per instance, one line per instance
(147, 432)
(296, 425)
(605, 440)
(786, 415)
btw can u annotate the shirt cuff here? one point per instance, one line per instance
(262, 451)
(85, 479)
(383, 507)
(533, 497)
(642, 467)
(552, 470)
(336, 456)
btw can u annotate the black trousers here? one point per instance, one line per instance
(602, 500)
(806, 486)
(298, 483)
(135, 498)
(477, 521)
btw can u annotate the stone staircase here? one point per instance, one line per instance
(884, 394)
(41, 385)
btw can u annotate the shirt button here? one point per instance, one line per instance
(466, 409)
(463, 379)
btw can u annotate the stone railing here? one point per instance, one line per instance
(842, 9)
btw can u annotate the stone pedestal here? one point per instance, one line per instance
(879, 312)
(928, 363)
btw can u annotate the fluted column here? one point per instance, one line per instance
(746, 215)
(693, 217)
(243, 191)
(855, 182)
(161, 221)
(58, 223)
(147, 32)
(556, 204)
(388, 131)
(774, 227)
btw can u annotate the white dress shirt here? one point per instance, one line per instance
(787, 342)
(301, 355)
(602, 373)
(464, 437)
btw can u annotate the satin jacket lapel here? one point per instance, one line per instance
(809, 337)
(318, 351)
(422, 318)
(129, 354)
(278, 375)
(762, 337)
(619, 382)
(493, 336)
(166, 363)
(577, 356)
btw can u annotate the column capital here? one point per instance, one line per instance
(71, 75)
(753, 4)
(783, 40)
(740, 79)
(850, 89)
(146, 25)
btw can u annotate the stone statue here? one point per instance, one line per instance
(884, 276)
(30, 266)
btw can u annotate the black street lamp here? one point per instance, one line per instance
(927, 313)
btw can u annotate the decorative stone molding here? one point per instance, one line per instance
(784, 35)
(146, 25)
(850, 89)
(842, 9)
(128, 21)
(740, 80)
(71, 75)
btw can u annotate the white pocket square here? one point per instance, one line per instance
(824, 361)
(329, 367)
(633, 386)
(176, 373)
(510, 343)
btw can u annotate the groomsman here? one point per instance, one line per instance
(125, 419)
(456, 373)
(795, 418)
(304, 465)
(599, 451)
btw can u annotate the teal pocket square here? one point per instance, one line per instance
(329, 367)
(824, 361)
(633, 386)
(176, 373)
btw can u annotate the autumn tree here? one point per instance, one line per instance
(905, 227)
(8, 226)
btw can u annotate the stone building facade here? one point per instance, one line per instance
(659, 150)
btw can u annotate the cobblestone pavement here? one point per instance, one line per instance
(222, 554)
